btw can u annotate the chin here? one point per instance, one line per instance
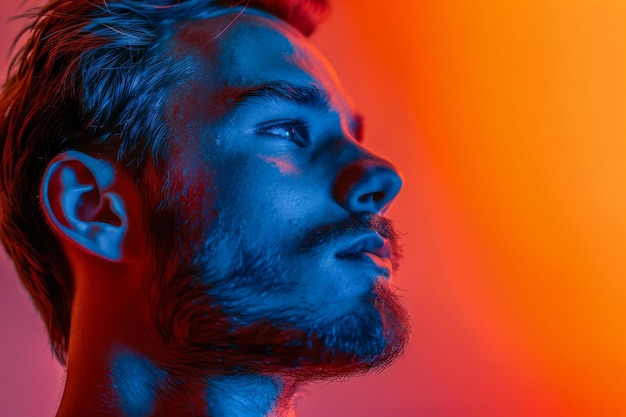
(367, 338)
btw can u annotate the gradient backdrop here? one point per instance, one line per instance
(508, 120)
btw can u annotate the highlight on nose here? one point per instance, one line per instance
(367, 186)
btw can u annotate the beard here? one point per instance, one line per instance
(225, 318)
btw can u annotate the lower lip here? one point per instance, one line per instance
(370, 259)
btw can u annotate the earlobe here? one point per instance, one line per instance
(82, 205)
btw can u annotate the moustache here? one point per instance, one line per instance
(352, 226)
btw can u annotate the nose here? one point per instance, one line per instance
(367, 186)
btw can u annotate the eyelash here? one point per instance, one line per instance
(296, 131)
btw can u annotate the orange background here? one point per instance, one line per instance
(508, 120)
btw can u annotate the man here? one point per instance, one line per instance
(186, 196)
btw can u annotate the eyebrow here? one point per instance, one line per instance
(301, 95)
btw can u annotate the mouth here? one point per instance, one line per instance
(372, 250)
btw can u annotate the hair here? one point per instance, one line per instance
(93, 74)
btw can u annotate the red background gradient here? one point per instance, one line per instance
(508, 121)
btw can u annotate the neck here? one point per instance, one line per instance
(126, 383)
(249, 396)
(113, 368)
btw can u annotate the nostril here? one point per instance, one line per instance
(375, 197)
(366, 186)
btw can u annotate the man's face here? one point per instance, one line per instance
(280, 199)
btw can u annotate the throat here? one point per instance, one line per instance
(250, 396)
(137, 387)
(135, 381)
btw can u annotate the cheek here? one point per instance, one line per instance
(192, 193)
(268, 192)
(284, 165)
(289, 195)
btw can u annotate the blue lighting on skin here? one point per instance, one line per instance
(135, 381)
(242, 396)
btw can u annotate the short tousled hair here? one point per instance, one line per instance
(93, 74)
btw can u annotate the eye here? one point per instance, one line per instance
(295, 131)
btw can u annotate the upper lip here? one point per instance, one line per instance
(370, 243)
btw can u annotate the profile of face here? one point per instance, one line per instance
(280, 204)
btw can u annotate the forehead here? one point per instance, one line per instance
(249, 49)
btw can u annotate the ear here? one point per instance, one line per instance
(80, 201)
